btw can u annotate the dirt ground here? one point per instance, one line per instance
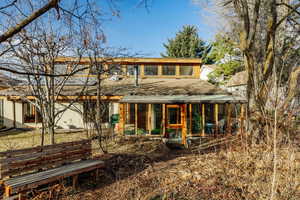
(143, 169)
(146, 169)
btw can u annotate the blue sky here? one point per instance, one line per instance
(143, 31)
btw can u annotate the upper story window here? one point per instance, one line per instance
(151, 70)
(169, 70)
(115, 69)
(186, 70)
(131, 70)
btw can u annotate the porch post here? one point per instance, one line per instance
(203, 119)
(122, 118)
(136, 118)
(184, 124)
(190, 108)
(228, 126)
(163, 119)
(149, 122)
(217, 118)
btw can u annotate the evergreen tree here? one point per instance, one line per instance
(186, 44)
(226, 56)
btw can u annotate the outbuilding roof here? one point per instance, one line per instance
(184, 99)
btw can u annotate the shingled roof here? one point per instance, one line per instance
(6, 81)
(127, 87)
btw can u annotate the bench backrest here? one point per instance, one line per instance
(23, 161)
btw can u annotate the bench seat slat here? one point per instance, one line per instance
(50, 164)
(62, 171)
(33, 156)
(44, 158)
(11, 153)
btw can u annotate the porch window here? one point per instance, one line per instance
(89, 111)
(151, 70)
(31, 115)
(186, 70)
(157, 115)
(194, 118)
(1, 113)
(169, 70)
(174, 115)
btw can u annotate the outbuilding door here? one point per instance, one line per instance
(176, 121)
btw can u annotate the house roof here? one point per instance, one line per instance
(238, 79)
(6, 81)
(127, 86)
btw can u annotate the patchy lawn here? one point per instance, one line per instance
(17, 139)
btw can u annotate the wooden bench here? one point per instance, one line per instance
(25, 169)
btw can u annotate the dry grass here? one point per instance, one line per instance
(17, 139)
(236, 174)
(143, 169)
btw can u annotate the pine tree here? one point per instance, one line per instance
(186, 44)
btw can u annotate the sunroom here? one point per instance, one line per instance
(180, 117)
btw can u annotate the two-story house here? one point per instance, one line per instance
(162, 96)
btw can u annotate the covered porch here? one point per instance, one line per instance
(180, 117)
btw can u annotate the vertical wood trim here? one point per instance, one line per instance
(122, 118)
(124, 69)
(127, 113)
(23, 113)
(75, 182)
(177, 71)
(200, 121)
(190, 121)
(142, 70)
(203, 119)
(35, 115)
(196, 70)
(184, 124)
(149, 121)
(7, 191)
(159, 70)
(163, 119)
(106, 66)
(217, 118)
(14, 114)
(136, 118)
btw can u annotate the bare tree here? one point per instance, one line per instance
(37, 55)
(267, 32)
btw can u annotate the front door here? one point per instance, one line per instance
(176, 121)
